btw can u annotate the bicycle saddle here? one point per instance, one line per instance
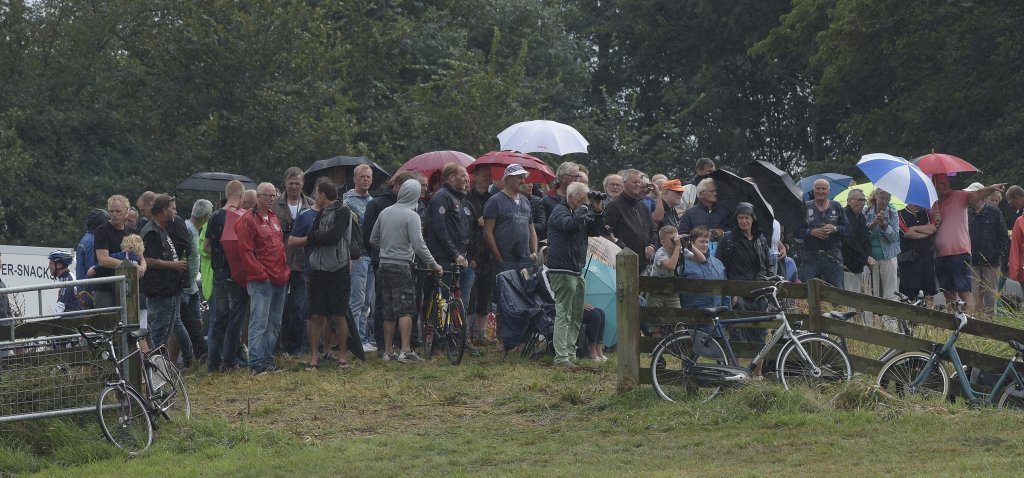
(1019, 347)
(842, 315)
(138, 334)
(713, 311)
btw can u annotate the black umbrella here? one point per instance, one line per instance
(733, 189)
(213, 182)
(354, 342)
(781, 192)
(346, 163)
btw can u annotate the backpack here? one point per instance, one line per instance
(356, 247)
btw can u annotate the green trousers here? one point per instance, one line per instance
(568, 290)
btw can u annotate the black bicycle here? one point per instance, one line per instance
(126, 417)
(444, 317)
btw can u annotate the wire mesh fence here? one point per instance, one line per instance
(46, 369)
(50, 377)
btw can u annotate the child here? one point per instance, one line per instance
(131, 250)
(665, 260)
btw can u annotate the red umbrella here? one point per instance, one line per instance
(428, 163)
(938, 163)
(539, 171)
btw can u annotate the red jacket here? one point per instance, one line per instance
(261, 249)
(1016, 259)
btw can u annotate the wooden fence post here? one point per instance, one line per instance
(814, 305)
(130, 316)
(627, 278)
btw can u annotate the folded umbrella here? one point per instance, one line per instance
(901, 178)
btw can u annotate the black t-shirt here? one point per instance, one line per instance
(107, 237)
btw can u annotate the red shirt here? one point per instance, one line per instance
(1016, 259)
(261, 249)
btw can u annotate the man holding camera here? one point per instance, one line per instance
(569, 226)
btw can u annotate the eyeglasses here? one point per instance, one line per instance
(274, 195)
(711, 191)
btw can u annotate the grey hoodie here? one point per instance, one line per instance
(397, 233)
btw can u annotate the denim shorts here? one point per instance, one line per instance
(954, 272)
(398, 291)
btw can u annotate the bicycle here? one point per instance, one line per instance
(923, 374)
(693, 362)
(126, 418)
(904, 326)
(444, 317)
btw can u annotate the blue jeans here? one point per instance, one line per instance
(231, 305)
(165, 316)
(266, 306)
(825, 267)
(294, 339)
(360, 296)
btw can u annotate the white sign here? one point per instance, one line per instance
(24, 266)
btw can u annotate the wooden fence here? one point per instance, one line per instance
(818, 295)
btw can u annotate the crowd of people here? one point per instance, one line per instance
(297, 274)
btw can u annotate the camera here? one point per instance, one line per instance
(597, 196)
(683, 239)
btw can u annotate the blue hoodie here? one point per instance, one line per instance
(711, 269)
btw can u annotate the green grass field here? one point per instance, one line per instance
(495, 417)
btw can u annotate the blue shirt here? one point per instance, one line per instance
(301, 228)
(356, 203)
(511, 225)
(711, 269)
(86, 256)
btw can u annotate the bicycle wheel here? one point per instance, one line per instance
(124, 418)
(1012, 397)
(673, 363)
(897, 374)
(456, 332)
(169, 392)
(826, 356)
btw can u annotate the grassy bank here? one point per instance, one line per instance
(492, 417)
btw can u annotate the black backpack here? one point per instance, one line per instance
(355, 239)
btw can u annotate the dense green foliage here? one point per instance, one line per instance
(121, 96)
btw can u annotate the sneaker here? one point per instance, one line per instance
(265, 370)
(368, 347)
(602, 358)
(566, 365)
(389, 357)
(409, 357)
(328, 357)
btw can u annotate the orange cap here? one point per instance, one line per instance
(674, 184)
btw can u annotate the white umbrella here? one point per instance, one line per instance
(542, 136)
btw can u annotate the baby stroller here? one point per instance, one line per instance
(526, 313)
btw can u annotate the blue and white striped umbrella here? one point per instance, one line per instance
(900, 177)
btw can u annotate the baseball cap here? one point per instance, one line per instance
(674, 185)
(974, 187)
(514, 170)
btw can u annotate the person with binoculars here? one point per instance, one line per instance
(569, 226)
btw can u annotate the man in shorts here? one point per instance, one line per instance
(953, 240)
(399, 238)
(329, 257)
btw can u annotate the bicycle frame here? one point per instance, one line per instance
(785, 333)
(119, 362)
(948, 350)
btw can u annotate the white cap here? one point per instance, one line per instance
(974, 187)
(514, 170)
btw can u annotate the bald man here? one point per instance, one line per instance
(823, 234)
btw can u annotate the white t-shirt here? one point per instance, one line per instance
(294, 210)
